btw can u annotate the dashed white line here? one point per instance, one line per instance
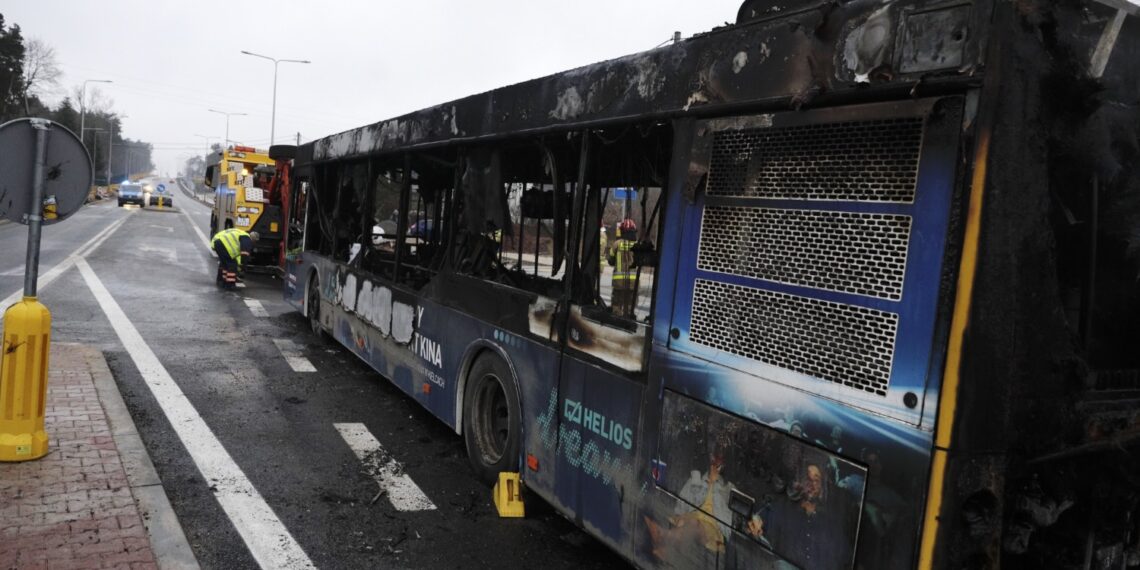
(267, 538)
(401, 491)
(256, 308)
(293, 356)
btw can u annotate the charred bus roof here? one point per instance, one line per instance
(779, 55)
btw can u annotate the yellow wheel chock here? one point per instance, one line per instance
(508, 496)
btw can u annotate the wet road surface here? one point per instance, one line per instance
(278, 425)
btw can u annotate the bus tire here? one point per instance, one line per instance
(313, 307)
(492, 418)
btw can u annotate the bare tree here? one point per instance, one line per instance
(41, 71)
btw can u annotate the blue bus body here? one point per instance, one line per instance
(782, 406)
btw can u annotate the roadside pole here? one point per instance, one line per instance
(27, 323)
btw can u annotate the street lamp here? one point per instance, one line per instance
(83, 102)
(111, 142)
(273, 118)
(208, 138)
(95, 152)
(228, 115)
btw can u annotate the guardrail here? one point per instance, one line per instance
(203, 197)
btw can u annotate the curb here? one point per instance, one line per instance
(167, 540)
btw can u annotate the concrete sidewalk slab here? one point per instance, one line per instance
(94, 501)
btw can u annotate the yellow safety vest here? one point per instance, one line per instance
(231, 240)
(623, 259)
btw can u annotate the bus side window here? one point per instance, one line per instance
(622, 222)
(322, 199)
(387, 184)
(433, 181)
(537, 185)
(351, 187)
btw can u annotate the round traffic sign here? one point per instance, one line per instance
(67, 171)
(162, 188)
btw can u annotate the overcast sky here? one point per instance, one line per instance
(172, 61)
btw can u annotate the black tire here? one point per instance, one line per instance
(492, 418)
(213, 226)
(313, 307)
(120, 203)
(283, 152)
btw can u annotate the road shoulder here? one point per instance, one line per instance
(168, 541)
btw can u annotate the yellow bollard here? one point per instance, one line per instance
(23, 380)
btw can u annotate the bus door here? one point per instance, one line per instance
(802, 337)
(608, 330)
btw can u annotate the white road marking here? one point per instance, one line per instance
(256, 308)
(168, 255)
(197, 230)
(402, 492)
(293, 355)
(84, 250)
(267, 538)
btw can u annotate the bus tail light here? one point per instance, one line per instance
(531, 462)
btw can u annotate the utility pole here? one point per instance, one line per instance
(83, 104)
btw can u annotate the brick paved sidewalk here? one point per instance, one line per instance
(74, 507)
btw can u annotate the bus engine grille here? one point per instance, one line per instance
(868, 161)
(849, 252)
(845, 344)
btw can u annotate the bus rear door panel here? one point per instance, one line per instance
(808, 288)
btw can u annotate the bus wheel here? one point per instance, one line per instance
(313, 304)
(491, 418)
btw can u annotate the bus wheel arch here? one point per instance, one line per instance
(491, 413)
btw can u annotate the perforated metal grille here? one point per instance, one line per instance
(874, 161)
(845, 344)
(849, 252)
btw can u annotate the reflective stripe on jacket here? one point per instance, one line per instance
(231, 240)
(623, 260)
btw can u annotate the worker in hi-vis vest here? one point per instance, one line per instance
(233, 247)
(625, 278)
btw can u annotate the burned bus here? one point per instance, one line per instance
(884, 310)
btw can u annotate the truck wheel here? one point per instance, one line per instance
(492, 428)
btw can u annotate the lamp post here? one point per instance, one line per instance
(228, 115)
(83, 103)
(111, 143)
(273, 117)
(95, 153)
(208, 138)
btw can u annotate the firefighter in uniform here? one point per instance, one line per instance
(625, 277)
(233, 246)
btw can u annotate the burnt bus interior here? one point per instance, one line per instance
(512, 219)
(486, 211)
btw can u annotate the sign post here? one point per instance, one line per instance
(59, 178)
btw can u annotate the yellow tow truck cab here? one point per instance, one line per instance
(240, 177)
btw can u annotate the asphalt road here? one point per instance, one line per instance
(276, 424)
